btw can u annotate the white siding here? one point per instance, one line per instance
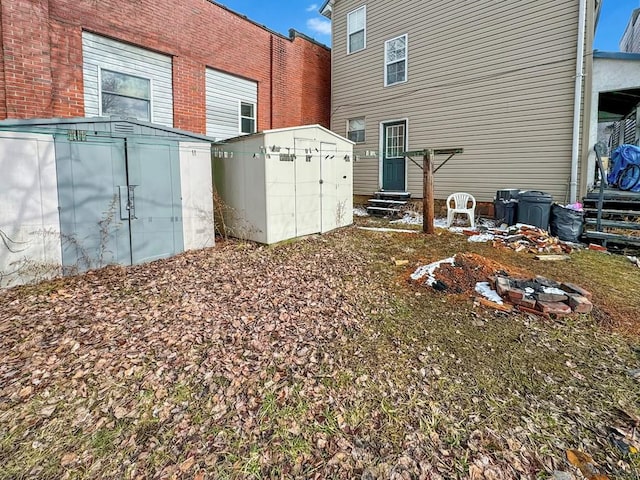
(196, 185)
(100, 52)
(29, 220)
(224, 94)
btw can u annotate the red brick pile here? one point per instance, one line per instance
(529, 239)
(543, 296)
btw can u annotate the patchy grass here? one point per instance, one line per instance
(314, 358)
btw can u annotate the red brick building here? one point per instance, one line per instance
(192, 64)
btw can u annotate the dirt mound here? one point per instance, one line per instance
(469, 269)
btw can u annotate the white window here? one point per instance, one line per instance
(125, 95)
(395, 137)
(356, 30)
(247, 117)
(355, 130)
(395, 60)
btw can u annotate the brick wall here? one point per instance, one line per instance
(41, 69)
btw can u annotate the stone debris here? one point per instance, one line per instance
(499, 287)
(543, 295)
(530, 239)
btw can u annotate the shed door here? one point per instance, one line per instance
(119, 201)
(89, 174)
(329, 190)
(154, 183)
(308, 187)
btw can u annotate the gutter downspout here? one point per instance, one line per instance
(271, 82)
(575, 150)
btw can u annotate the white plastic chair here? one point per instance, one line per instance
(461, 205)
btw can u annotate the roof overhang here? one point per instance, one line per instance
(614, 105)
(327, 8)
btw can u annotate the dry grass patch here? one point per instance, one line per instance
(312, 359)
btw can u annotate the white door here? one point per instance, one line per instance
(307, 184)
(344, 180)
(329, 186)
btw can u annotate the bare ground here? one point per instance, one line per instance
(314, 359)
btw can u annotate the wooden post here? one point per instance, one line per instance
(427, 192)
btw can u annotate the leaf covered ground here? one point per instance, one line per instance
(315, 359)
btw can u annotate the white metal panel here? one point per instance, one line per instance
(239, 178)
(224, 93)
(29, 220)
(344, 181)
(329, 190)
(197, 195)
(100, 52)
(307, 187)
(281, 191)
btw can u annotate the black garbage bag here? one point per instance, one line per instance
(565, 223)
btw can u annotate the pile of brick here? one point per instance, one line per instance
(541, 295)
(529, 239)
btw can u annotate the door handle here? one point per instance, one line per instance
(131, 203)
(123, 193)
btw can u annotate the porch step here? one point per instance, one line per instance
(608, 212)
(609, 238)
(392, 195)
(388, 204)
(381, 201)
(384, 212)
(614, 224)
(618, 224)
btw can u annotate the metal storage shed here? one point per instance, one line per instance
(285, 183)
(81, 193)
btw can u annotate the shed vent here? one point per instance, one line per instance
(121, 127)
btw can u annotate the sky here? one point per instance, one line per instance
(302, 15)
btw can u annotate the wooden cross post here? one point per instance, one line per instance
(427, 192)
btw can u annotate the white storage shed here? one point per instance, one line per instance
(285, 183)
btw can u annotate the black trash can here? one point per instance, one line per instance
(534, 208)
(506, 211)
(566, 224)
(508, 194)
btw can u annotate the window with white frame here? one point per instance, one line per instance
(395, 60)
(355, 130)
(125, 95)
(356, 29)
(247, 117)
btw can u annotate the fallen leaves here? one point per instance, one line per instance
(301, 360)
(585, 463)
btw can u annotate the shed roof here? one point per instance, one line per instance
(285, 129)
(46, 125)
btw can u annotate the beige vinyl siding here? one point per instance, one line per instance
(493, 77)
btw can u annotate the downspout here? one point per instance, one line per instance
(575, 150)
(271, 82)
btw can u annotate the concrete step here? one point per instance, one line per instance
(382, 201)
(387, 195)
(384, 211)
